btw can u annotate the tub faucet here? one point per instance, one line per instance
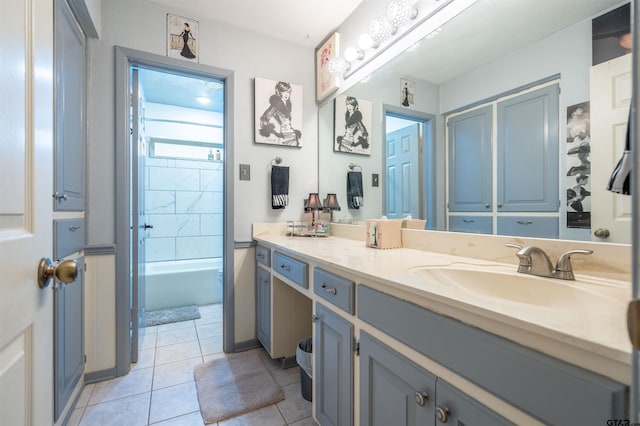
(534, 261)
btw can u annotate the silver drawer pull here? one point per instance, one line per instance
(285, 267)
(421, 398)
(468, 220)
(525, 222)
(328, 289)
(442, 414)
(74, 228)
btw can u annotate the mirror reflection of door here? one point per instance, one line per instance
(402, 168)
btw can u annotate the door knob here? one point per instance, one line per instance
(147, 226)
(601, 233)
(65, 271)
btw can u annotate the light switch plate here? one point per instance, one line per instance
(245, 172)
(374, 179)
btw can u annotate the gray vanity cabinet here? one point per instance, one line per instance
(333, 365)
(393, 390)
(470, 161)
(457, 408)
(263, 307)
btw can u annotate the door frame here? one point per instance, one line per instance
(126, 57)
(426, 160)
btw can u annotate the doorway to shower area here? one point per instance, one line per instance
(177, 201)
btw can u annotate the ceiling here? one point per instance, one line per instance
(302, 22)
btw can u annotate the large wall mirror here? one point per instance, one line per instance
(491, 57)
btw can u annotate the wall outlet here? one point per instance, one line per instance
(375, 181)
(245, 172)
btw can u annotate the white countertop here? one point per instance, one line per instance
(583, 334)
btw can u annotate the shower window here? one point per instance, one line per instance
(185, 150)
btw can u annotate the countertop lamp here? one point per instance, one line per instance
(330, 204)
(313, 204)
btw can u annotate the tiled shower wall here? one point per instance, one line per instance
(184, 205)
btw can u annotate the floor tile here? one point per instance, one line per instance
(74, 418)
(147, 341)
(136, 382)
(173, 401)
(286, 376)
(174, 373)
(211, 345)
(175, 326)
(308, 421)
(211, 357)
(146, 359)
(209, 314)
(142, 331)
(85, 395)
(294, 407)
(172, 337)
(179, 352)
(267, 416)
(191, 419)
(131, 411)
(209, 330)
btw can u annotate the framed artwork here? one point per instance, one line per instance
(278, 112)
(407, 91)
(326, 83)
(578, 166)
(182, 38)
(353, 120)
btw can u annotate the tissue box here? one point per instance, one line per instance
(383, 234)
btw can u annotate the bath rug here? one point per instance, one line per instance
(165, 316)
(234, 385)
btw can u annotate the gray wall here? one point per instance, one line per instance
(141, 25)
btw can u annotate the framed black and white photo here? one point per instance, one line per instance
(182, 38)
(278, 112)
(407, 91)
(353, 121)
(578, 181)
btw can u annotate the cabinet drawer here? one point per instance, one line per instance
(335, 289)
(525, 378)
(475, 224)
(68, 236)
(263, 255)
(293, 269)
(528, 226)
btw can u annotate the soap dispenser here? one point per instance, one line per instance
(210, 156)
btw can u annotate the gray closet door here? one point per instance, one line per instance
(69, 112)
(470, 168)
(528, 152)
(333, 362)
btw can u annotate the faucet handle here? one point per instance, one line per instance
(513, 245)
(524, 264)
(564, 269)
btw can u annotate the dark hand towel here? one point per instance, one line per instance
(619, 181)
(355, 195)
(279, 187)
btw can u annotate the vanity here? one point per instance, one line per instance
(445, 328)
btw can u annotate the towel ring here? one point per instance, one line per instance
(352, 166)
(276, 160)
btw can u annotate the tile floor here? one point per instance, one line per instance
(160, 389)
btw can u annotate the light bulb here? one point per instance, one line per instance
(338, 66)
(366, 42)
(381, 29)
(400, 11)
(351, 54)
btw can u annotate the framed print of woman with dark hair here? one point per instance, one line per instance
(352, 125)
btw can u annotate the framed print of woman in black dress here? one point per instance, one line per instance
(182, 38)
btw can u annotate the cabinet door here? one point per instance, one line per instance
(70, 106)
(470, 170)
(527, 147)
(333, 364)
(393, 390)
(263, 307)
(69, 338)
(457, 408)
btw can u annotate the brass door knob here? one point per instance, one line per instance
(66, 271)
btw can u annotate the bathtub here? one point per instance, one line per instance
(183, 282)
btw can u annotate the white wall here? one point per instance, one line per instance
(141, 25)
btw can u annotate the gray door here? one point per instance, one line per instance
(470, 170)
(527, 148)
(139, 223)
(70, 106)
(403, 173)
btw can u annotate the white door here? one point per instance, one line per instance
(26, 187)
(610, 99)
(403, 173)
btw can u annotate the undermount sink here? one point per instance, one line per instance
(503, 284)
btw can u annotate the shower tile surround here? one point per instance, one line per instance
(184, 204)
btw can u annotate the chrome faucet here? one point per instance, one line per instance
(534, 261)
